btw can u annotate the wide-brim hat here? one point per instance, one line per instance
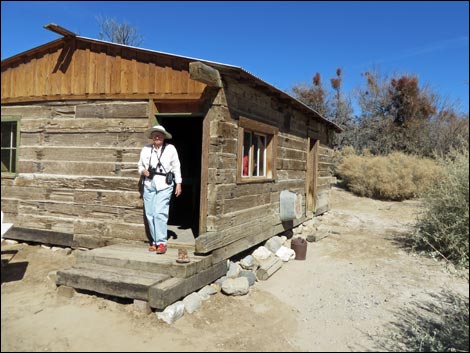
(158, 128)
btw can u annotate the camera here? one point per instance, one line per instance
(152, 172)
(169, 178)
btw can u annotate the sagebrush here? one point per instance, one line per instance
(439, 325)
(442, 228)
(394, 177)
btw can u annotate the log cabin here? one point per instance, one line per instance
(73, 113)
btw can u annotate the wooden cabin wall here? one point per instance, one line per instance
(242, 215)
(324, 180)
(78, 171)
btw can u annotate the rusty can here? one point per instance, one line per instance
(299, 245)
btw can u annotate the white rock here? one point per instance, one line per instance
(285, 253)
(273, 244)
(236, 286)
(262, 254)
(234, 270)
(172, 312)
(207, 291)
(192, 302)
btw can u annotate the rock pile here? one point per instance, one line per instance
(240, 276)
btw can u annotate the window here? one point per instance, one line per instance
(254, 154)
(9, 145)
(257, 151)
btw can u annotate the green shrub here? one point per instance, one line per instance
(394, 177)
(442, 228)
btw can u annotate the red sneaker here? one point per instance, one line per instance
(153, 247)
(161, 248)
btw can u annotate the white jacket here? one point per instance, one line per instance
(169, 160)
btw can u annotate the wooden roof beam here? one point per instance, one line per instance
(59, 30)
(204, 73)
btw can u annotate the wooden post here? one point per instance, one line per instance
(204, 73)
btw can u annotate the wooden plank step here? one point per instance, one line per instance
(169, 291)
(137, 257)
(180, 238)
(119, 282)
(40, 236)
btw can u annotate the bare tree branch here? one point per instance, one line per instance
(118, 32)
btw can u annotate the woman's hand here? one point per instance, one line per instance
(145, 173)
(178, 190)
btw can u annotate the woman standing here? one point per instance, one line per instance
(160, 165)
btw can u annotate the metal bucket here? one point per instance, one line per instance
(299, 245)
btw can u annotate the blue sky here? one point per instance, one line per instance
(283, 42)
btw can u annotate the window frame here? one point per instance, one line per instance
(270, 134)
(15, 119)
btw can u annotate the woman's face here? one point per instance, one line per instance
(158, 138)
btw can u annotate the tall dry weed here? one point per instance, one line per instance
(394, 177)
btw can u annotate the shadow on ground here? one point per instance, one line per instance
(13, 271)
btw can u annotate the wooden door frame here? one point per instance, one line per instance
(313, 143)
(203, 202)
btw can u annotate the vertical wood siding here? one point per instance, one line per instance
(92, 70)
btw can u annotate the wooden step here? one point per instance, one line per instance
(180, 238)
(159, 290)
(131, 271)
(119, 282)
(169, 291)
(137, 257)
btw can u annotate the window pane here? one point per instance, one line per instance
(255, 156)
(13, 161)
(246, 153)
(8, 143)
(14, 126)
(262, 155)
(6, 160)
(7, 133)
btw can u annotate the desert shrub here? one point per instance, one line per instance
(442, 228)
(393, 177)
(439, 325)
(339, 154)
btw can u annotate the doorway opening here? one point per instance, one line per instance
(183, 222)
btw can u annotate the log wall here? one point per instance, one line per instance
(242, 215)
(78, 170)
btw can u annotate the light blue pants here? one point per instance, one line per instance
(157, 206)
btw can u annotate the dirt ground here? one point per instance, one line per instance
(355, 291)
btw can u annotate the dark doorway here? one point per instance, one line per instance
(187, 138)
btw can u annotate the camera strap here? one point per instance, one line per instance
(160, 163)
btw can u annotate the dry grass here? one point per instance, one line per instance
(394, 177)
